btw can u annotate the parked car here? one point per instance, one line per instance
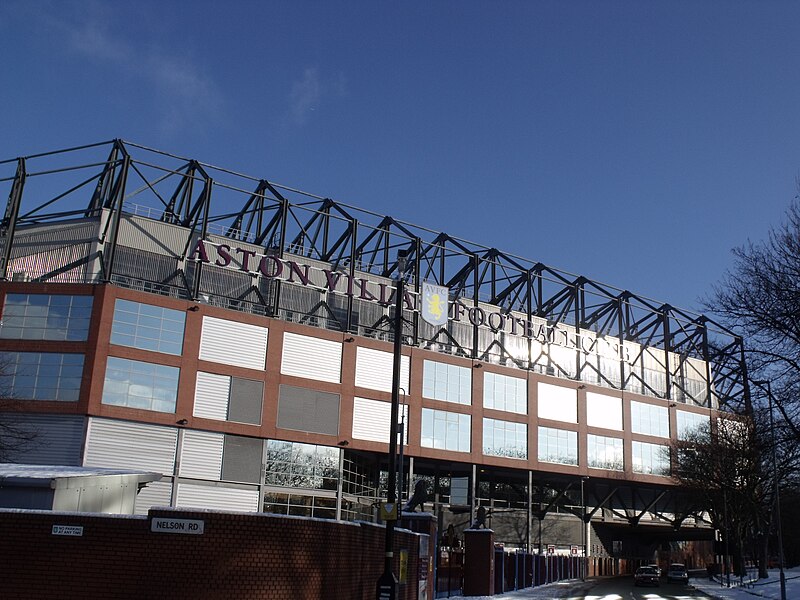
(657, 568)
(646, 576)
(677, 572)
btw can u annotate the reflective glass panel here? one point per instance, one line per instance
(138, 384)
(46, 317)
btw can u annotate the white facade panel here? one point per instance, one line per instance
(311, 358)
(201, 455)
(557, 403)
(374, 370)
(232, 343)
(128, 445)
(603, 411)
(156, 493)
(214, 497)
(211, 396)
(371, 420)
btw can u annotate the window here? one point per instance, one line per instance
(504, 438)
(604, 452)
(692, 425)
(505, 393)
(137, 384)
(45, 317)
(42, 375)
(450, 383)
(652, 459)
(297, 465)
(148, 327)
(649, 419)
(558, 446)
(317, 506)
(557, 403)
(445, 430)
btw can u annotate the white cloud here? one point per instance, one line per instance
(310, 91)
(183, 92)
(304, 96)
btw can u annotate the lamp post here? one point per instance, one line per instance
(583, 530)
(387, 584)
(766, 383)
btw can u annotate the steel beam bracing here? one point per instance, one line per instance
(112, 181)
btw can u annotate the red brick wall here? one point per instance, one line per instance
(239, 556)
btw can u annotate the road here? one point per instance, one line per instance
(622, 588)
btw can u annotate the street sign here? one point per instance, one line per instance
(72, 530)
(186, 526)
(389, 511)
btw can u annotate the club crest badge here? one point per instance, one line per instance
(434, 303)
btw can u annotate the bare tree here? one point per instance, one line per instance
(722, 465)
(759, 298)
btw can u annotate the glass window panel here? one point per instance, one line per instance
(43, 375)
(651, 459)
(692, 425)
(137, 384)
(505, 393)
(558, 446)
(604, 452)
(446, 430)
(148, 327)
(449, 383)
(649, 419)
(503, 438)
(46, 317)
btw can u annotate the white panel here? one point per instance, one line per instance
(221, 498)
(127, 445)
(211, 396)
(603, 411)
(312, 358)
(231, 343)
(371, 420)
(156, 493)
(201, 455)
(558, 403)
(374, 370)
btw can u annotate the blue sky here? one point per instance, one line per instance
(634, 143)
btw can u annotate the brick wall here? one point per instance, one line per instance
(238, 556)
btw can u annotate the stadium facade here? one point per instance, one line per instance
(235, 335)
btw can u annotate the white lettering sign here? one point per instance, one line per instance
(187, 526)
(433, 302)
(74, 530)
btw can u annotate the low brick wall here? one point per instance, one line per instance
(238, 556)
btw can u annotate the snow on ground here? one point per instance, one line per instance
(562, 589)
(764, 588)
(761, 588)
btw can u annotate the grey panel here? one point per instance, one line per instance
(241, 459)
(55, 439)
(303, 409)
(246, 399)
